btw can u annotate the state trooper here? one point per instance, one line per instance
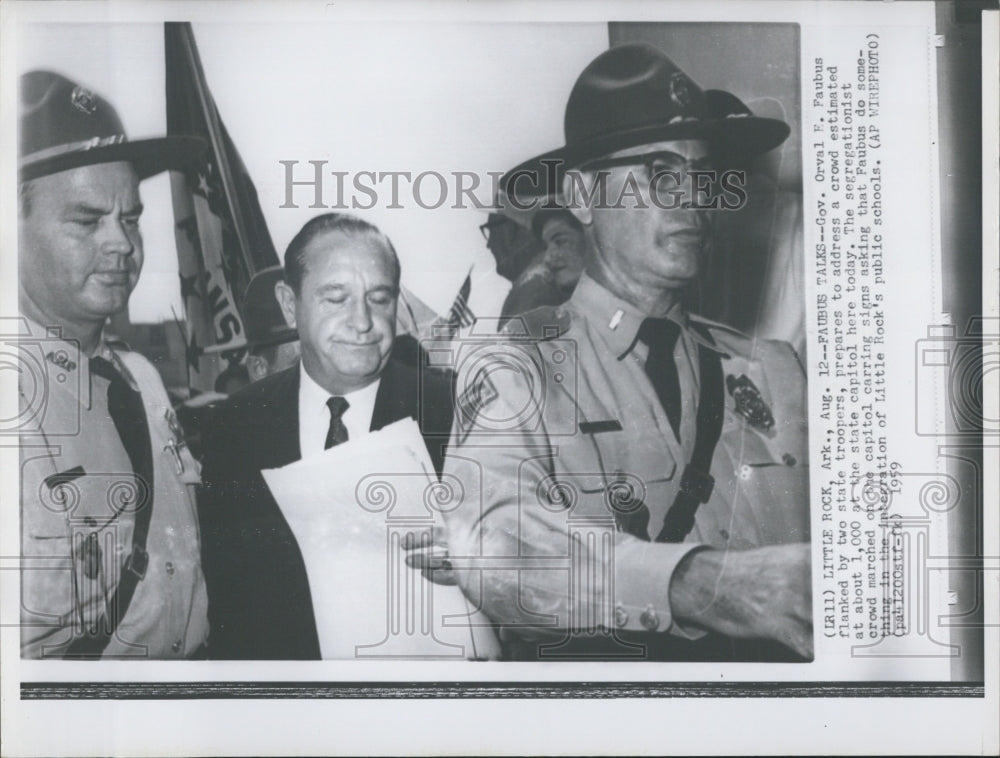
(635, 477)
(109, 537)
(272, 345)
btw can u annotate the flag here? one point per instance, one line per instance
(222, 237)
(413, 315)
(438, 337)
(460, 314)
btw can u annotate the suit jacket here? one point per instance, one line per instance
(259, 601)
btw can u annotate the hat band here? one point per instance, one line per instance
(73, 147)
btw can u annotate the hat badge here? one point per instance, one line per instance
(680, 90)
(83, 100)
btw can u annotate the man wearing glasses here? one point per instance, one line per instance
(637, 481)
(513, 246)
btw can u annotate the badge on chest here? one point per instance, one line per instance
(749, 403)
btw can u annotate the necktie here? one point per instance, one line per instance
(129, 418)
(337, 432)
(660, 336)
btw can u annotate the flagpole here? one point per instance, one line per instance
(184, 339)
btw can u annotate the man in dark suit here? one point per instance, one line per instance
(340, 291)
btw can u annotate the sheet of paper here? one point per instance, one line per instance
(349, 508)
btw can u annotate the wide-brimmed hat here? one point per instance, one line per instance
(634, 95)
(262, 318)
(64, 125)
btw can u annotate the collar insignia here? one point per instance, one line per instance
(61, 359)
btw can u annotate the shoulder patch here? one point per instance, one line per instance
(470, 402)
(475, 396)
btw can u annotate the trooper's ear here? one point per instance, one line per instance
(24, 191)
(257, 367)
(285, 296)
(578, 194)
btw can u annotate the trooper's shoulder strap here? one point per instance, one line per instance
(696, 482)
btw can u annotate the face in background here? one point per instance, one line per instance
(80, 251)
(513, 246)
(656, 247)
(272, 359)
(346, 311)
(565, 246)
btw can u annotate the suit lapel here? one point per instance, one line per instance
(397, 395)
(403, 393)
(278, 570)
(279, 427)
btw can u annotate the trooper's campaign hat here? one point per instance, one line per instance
(633, 95)
(262, 318)
(64, 125)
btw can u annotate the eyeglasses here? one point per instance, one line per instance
(656, 163)
(502, 229)
(493, 227)
(674, 180)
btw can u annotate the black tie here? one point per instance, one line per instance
(660, 336)
(129, 417)
(337, 432)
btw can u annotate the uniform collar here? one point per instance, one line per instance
(104, 350)
(618, 321)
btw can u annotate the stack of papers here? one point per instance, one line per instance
(349, 508)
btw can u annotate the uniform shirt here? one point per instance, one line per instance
(560, 445)
(314, 413)
(77, 481)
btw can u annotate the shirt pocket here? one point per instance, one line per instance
(624, 474)
(69, 573)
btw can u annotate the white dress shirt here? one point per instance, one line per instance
(314, 414)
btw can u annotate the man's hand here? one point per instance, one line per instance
(765, 593)
(429, 553)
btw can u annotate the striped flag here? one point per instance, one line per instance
(222, 238)
(460, 315)
(413, 315)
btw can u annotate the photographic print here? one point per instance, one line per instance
(363, 355)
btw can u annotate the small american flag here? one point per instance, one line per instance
(460, 314)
